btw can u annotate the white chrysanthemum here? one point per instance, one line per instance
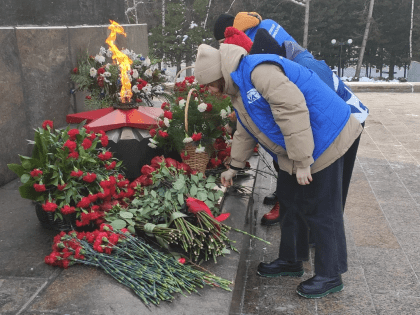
(196, 99)
(107, 66)
(223, 114)
(109, 53)
(153, 146)
(166, 121)
(202, 107)
(182, 103)
(228, 110)
(200, 149)
(147, 62)
(147, 88)
(187, 140)
(93, 72)
(148, 73)
(135, 74)
(158, 89)
(153, 141)
(102, 51)
(135, 89)
(100, 59)
(107, 74)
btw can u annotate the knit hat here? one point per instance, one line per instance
(223, 21)
(237, 37)
(264, 43)
(246, 20)
(208, 65)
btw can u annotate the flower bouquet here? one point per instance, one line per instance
(191, 123)
(69, 177)
(102, 79)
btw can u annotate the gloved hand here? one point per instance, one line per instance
(227, 176)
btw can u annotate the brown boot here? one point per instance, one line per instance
(272, 217)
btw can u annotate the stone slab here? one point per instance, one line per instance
(413, 74)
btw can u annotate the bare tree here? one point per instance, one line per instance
(306, 27)
(411, 29)
(365, 37)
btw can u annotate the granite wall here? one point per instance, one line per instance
(35, 65)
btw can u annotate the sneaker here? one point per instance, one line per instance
(270, 199)
(319, 286)
(272, 217)
(279, 268)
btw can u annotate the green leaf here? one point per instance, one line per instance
(149, 227)
(28, 192)
(16, 168)
(193, 190)
(202, 195)
(181, 199)
(210, 196)
(118, 224)
(162, 242)
(131, 229)
(126, 215)
(225, 251)
(168, 195)
(194, 178)
(211, 179)
(179, 183)
(176, 215)
(210, 185)
(27, 164)
(209, 204)
(153, 193)
(25, 178)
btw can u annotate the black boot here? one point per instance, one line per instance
(279, 268)
(319, 286)
(270, 199)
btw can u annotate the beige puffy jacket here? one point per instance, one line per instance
(289, 111)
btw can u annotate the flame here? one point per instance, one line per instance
(122, 59)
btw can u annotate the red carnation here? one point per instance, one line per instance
(39, 188)
(163, 134)
(104, 140)
(196, 136)
(171, 162)
(156, 161)
(152, 132)
(61, 187)
(49, 206)
(73, 133)
(147, 170)
(76, 174)
(111, 166)
(92, 136)
(88, 97)
(185, 167)
(161, 123)
(89, 177)
(47, 123)
(167, 114)
(93, 198)
(165, 106)
(209, 107)
(101, 70)
(73, 155)
(87, 128)
(181, 260)
(84, 203)
(67, 210)
(100, 81)
(185, 156)
(86, 144)
(105, 156)
(75, 70)
(35, 172)
(71, 145)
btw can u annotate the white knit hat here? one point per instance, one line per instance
(208, 66)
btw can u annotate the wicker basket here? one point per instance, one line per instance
(197, 161)
(47, 220)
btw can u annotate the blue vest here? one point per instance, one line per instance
(274, 28)
(328, 113)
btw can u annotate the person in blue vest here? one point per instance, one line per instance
(308, 129)
(270, 37)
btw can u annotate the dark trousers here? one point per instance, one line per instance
(317, 206)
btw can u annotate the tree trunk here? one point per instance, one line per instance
(411, 30)
(391, 67)
(365, 37)
(305, 30)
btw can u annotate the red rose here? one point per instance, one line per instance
(105, 156)
(67, 210)
(167, 114)
(76, 174)
(123, 183)
(73, 155)
(61, 187)
(100, 81)
(163, 134)
(147, 170)
(103, 195)
(86, 144)
(145, 180)
(73, 133)
(47, 123)
(104, 140)
(89, 177)
(75, 70)
(88, 97)
(196, 136)
(110, 166)
(39, 188)
(171, 162)
(209, 107)
(49, 206)
(165, 106)
(71, 145)
(101, 70)
(181, 260)
(184, 167)
(152, 132)
(84, 203)
(185, 157)
(35, 172)
(156, 161)
(161, 123)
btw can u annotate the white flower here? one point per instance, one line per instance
(228, 110)
(200, 149)
(196, 99)
(153, 146)
(148, 73)
(223, 114)
(147, 62)
(100, 59)
(158, 89)
(135, 89)
(93, 72)
(153, 141)
(107, 74)
(202, 107)
(187, 140)
(107, 66)
(147, 88)
(166, 121)
(102, 51)
(109, 53)
(182, 103)
(135, 74)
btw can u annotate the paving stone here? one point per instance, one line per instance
(394, 304)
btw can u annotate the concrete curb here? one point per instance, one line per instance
(406, 87)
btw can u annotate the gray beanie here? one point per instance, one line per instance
(208, 66)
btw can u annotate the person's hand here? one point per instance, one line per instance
(303, 175)
(227, 177)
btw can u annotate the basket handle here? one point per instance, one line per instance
(186, 108)
(179, 72)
